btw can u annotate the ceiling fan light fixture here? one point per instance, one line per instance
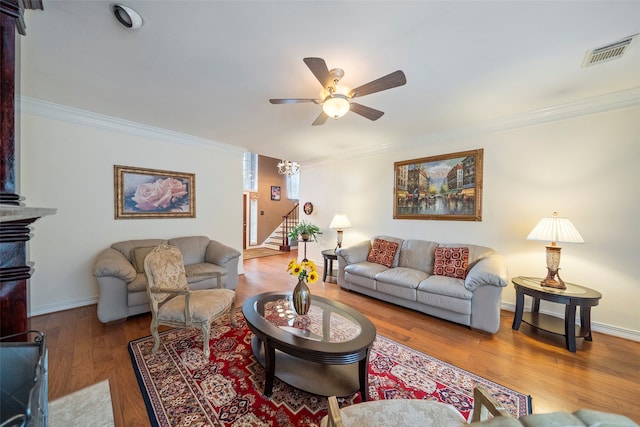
(336, 105)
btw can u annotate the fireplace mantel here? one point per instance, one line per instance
(15, 219)
(10, 213)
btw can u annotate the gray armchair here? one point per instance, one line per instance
(119, 271)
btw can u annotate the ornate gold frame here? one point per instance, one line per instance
(160, 193)
(445, 187)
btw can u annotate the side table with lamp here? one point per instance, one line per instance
(552, 288)
(339, 222)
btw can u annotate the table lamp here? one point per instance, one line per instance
(554, 229)
(340, 221)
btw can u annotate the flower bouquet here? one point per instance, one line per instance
(306, 273)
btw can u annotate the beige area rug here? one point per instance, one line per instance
(260, 252)
(90, 406)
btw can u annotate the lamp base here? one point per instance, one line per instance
(339, 243)
(551, 282)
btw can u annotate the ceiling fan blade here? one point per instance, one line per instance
(294, 100)
(320, 120)
(367, 112)
(319, 69)
(395, 79)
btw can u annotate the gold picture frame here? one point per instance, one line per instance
(444, 187)
(141, 193)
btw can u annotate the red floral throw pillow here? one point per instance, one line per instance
(451, 262)
(383, 252)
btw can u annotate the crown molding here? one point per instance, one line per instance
(599, 104)
(76, 116)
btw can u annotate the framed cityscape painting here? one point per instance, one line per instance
(152, 193)
(444, 187)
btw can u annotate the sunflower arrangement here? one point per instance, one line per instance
(306, 270)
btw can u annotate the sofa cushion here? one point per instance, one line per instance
(383, 252)
(363, 274)
(451, 262)
(442, 302)
(138, 257)
(476, 253)
(402, 277)
(443, 285)
(392, 239)
(126, 248)
(417, 254)
(193, 248)
(365, 269)
(139, 284)
(198, 272)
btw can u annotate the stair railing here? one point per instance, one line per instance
(288, 221)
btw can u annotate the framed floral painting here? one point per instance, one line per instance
(275, 192)
(445, 187)
(151, 193)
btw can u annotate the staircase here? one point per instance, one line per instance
(274, 241)
(278, 239)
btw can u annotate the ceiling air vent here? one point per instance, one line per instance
(608, 52)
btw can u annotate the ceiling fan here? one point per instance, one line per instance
(337, 101)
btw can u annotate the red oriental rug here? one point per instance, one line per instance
(181, 388)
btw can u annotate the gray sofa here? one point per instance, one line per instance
(123, 284)
(410, 282)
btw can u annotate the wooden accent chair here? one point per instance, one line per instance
(408, 412)
(174, 304)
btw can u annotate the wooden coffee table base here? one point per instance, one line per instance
(316, 358)
(316, 378)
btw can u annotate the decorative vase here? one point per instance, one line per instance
(305, 237)
(301, 298)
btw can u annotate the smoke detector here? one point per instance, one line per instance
(607, 53)
(127, 16)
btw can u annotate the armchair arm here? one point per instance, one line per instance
(355, 253)
(158, 290)
(111, 262)
(490, 270)
(482, 400)
(220, 254)
(173, 293)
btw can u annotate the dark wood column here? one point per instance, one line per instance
(15, 219)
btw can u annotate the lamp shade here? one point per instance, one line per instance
(555, 229)
(340, 221)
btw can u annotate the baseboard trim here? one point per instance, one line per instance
(603, 328)
(67, 305)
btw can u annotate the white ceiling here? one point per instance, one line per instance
(208, 68)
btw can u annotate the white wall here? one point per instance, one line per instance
(67, 159)
(585, 168)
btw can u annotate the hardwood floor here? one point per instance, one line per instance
(603, 374)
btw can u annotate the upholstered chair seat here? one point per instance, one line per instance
(398, 413)
(174, 304)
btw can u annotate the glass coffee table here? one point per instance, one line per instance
(325, 352)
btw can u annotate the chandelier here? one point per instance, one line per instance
(287, 167)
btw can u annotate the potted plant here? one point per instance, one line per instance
(305, 230)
